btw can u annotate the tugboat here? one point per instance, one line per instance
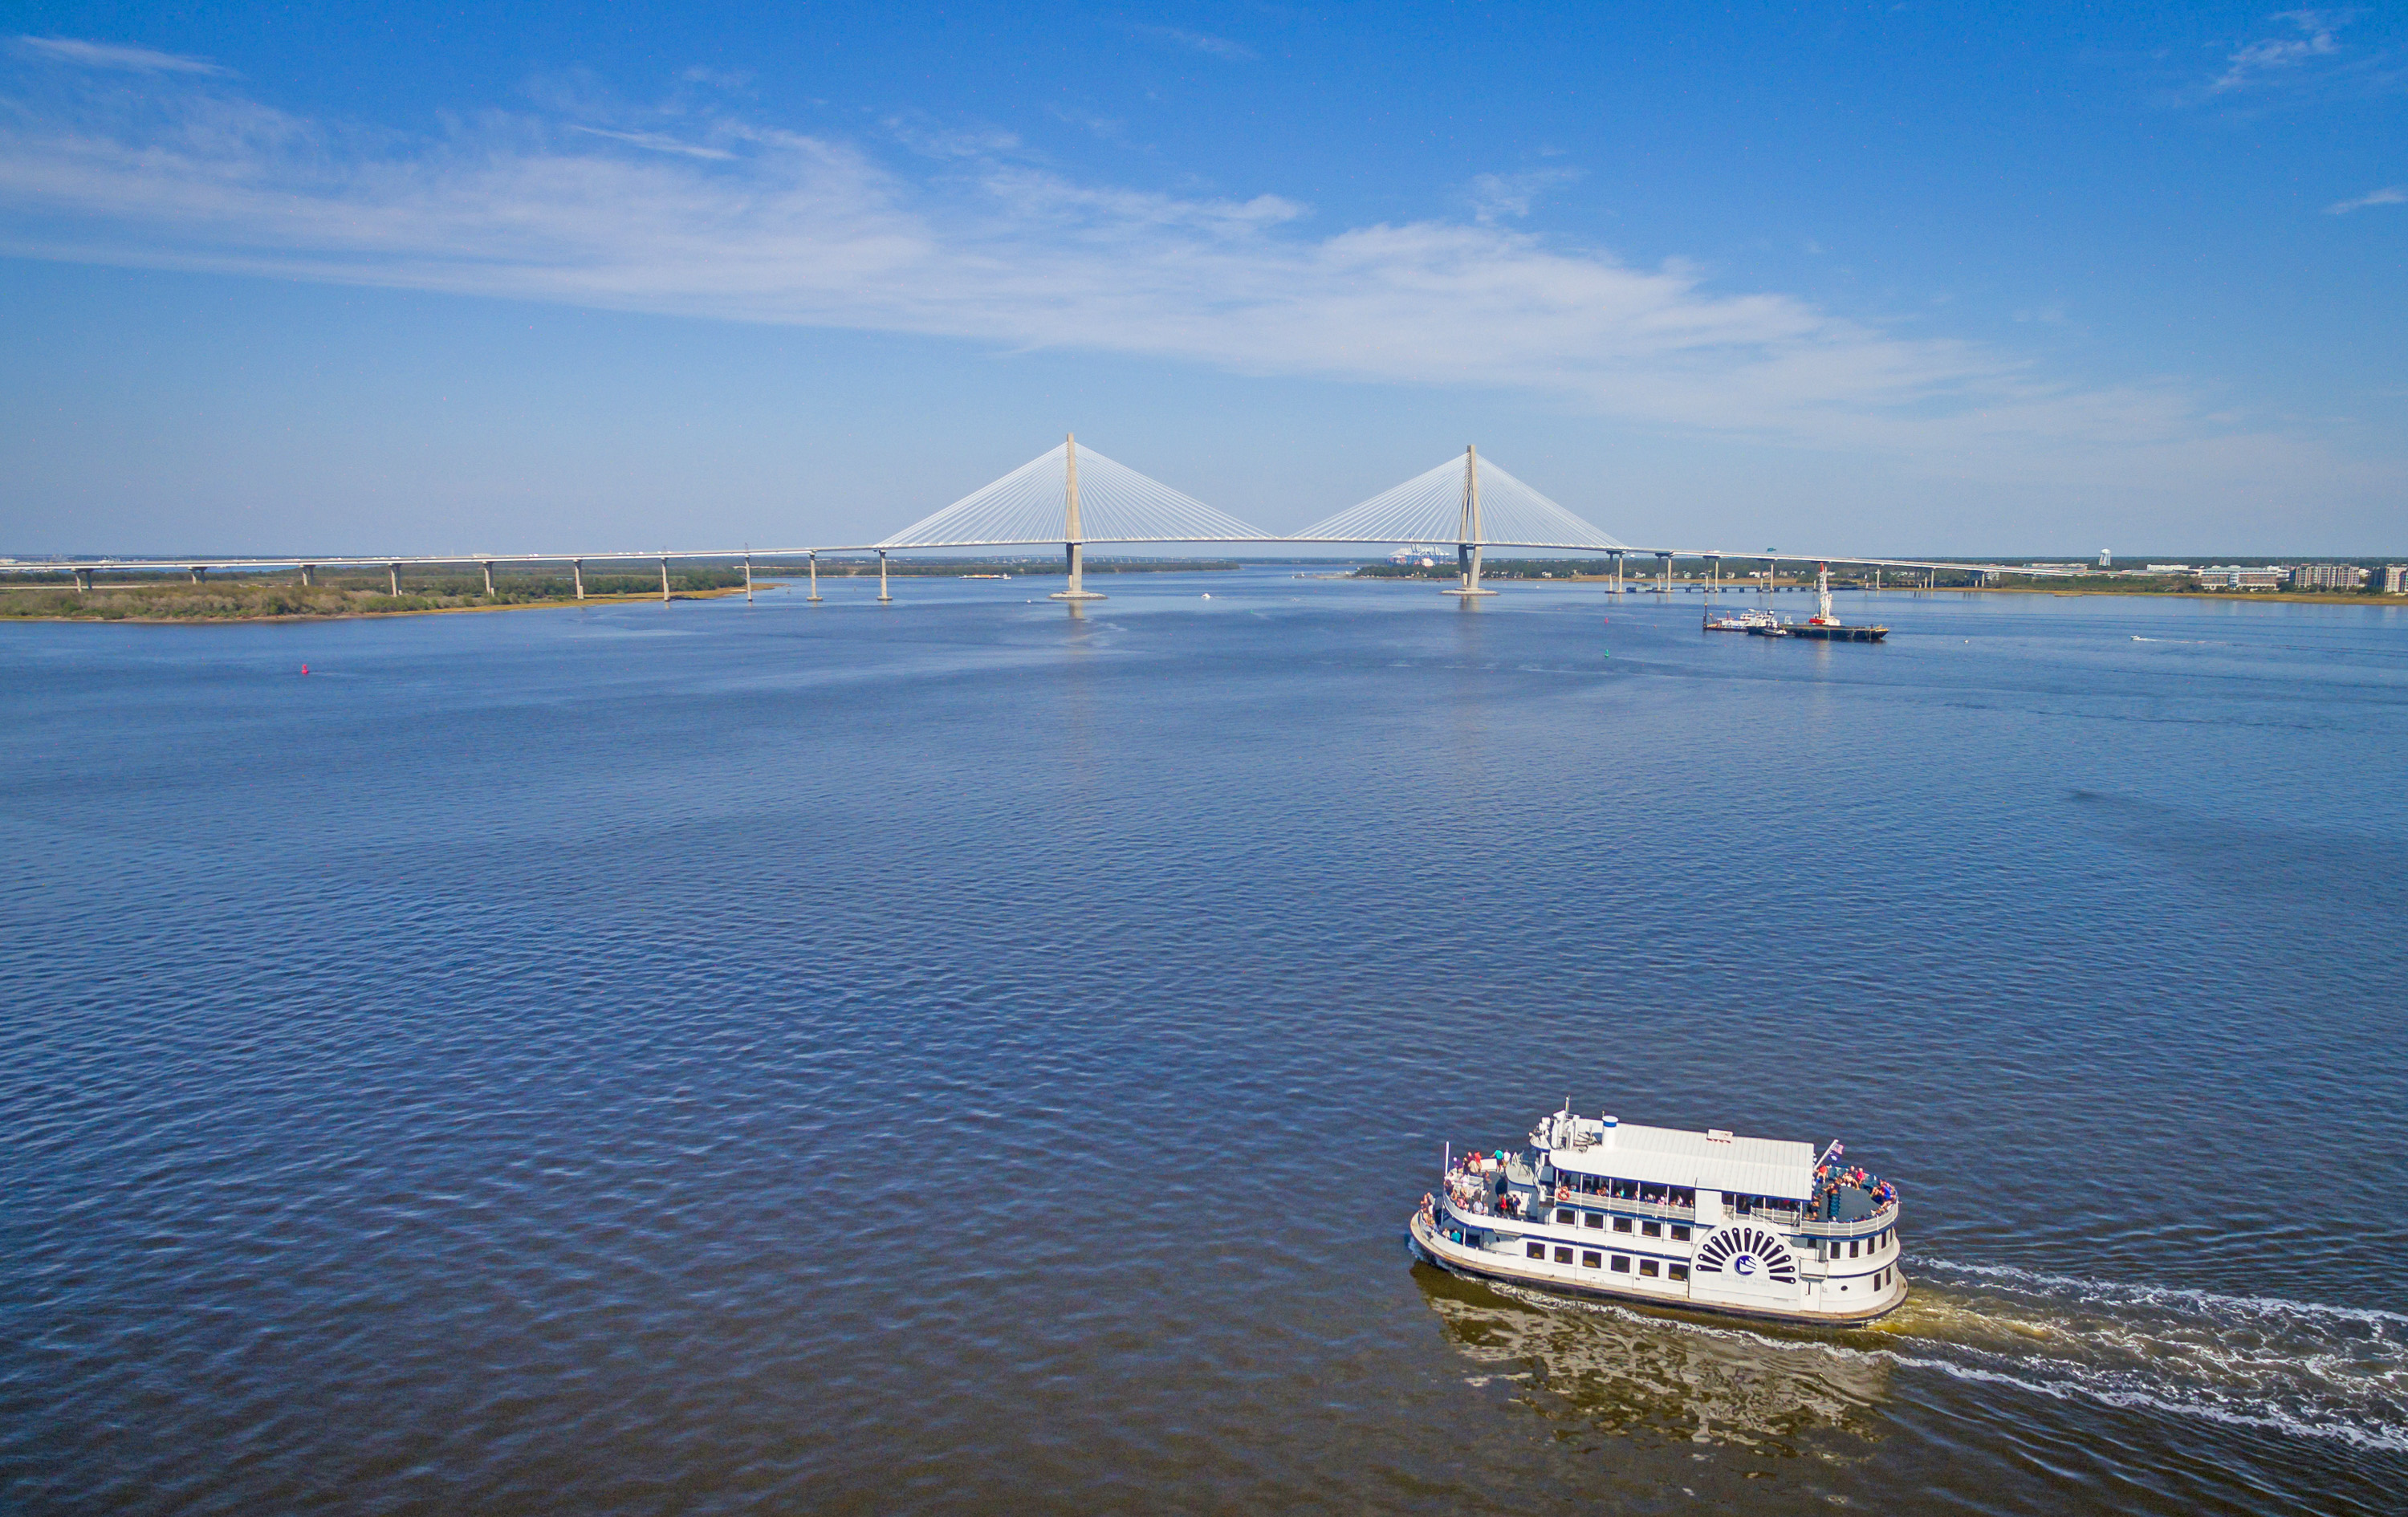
(1746, 620)
(1822, 625)
(1743, 1226)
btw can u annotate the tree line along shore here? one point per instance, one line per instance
(226, 596)
(232, 596)
(1741, 577)
(256, 597)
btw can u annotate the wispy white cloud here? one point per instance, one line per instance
(933, 141)
(656, 142)
(1215, 47)
(716, 78)
(79, 53)
(1109, 128)
(2390, 195)
(1497, 196)
(2280, 58)
(734, 220)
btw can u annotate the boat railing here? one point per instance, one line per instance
(1775, 1216)
(1882, 1214)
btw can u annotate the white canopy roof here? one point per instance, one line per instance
(1670, 1156)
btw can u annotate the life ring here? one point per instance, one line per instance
(1563, 1191)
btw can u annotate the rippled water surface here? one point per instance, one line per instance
(959, 1056)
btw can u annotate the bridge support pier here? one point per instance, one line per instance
(577, 572)
(83, 582)
(489, 580)
(199, 570)
(814, 597)
(308, 574)
(884, 598)
(1466, 570)
(393, 573)
(748, 578)
(1663, 574)
(1074, 556)
(664, 582)
(1617, 574)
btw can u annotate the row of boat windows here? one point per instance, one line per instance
(1870, 1245)
(1565, 1216)
(1596, 1259)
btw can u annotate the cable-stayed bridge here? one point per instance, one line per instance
(1078, 498)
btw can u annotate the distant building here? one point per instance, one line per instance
(2394, 579)
(2233, 577)
(2328, 577)
(2169, 568)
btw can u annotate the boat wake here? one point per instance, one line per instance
(2291, 1368)
(2295, 1368)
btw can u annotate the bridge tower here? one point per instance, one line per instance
(1074, 546)
(1468, 533)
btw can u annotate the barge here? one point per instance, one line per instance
(1659, 1216)
(1820, 628)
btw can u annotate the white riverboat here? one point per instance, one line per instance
(1755, 616)
(1752, 1226)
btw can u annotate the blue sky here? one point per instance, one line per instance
(1900, 279)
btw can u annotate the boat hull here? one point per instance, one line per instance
(1480, 1264)
(1838, 635)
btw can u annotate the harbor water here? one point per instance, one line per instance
(967, 1055)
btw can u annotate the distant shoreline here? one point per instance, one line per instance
(1644, 589)
(362, 615)
(250, 599)
(1634, 592)
(2311, 597)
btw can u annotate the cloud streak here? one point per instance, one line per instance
(1494, 196)
(737, 221)
(78, 53)
(656, 142)
(1211, 46)
(2390, 195)
(2276, 58)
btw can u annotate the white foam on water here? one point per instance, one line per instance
(2116, 1290)
(2391, 1439)
(2298, 1369)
